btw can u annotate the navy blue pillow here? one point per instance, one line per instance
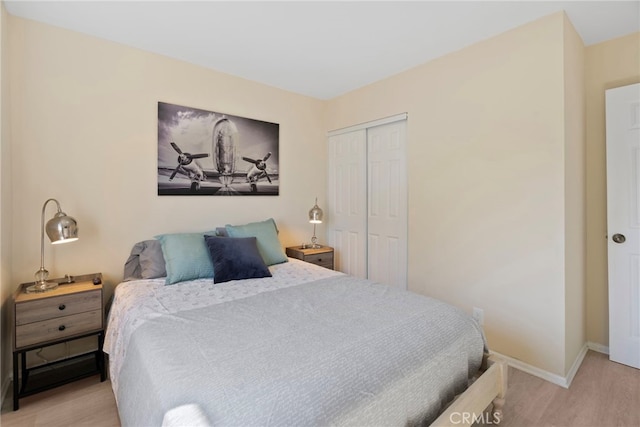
(235, 258)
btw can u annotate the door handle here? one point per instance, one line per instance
(619, 238)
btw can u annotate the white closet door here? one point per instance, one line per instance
(387, 204)
(367, 200)
(347, 219)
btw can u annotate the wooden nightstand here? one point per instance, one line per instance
(69, 312)
(322, 256)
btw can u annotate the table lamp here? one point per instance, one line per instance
(60, 229)
(315, 217)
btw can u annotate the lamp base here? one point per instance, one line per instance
(41, 287)
(311, 246)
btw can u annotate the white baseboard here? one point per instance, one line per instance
(598, 347)
(576, 364)
(556, 379)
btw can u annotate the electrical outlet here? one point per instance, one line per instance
(478, 315)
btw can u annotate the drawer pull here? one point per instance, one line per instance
(62, 307)
(61, 328)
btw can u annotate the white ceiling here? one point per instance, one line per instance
(315, 48)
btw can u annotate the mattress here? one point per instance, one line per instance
(308, 346)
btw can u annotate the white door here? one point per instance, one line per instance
(623, 222)
(387, 204)
(347, 202)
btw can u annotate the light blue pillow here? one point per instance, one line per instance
(267, 234)
(186, 256)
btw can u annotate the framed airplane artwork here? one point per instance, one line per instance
(205, 153)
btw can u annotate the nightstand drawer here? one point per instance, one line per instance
(64, 305)
(323, 259)
(57, 328)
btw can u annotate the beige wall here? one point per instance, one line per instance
(486, 170)
(610, 64)
(84, 115)
(574, 194)
(5, 205)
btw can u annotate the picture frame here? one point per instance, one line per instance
(207, 153)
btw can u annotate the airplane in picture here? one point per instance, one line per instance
(188, 166)
(257, 171)
(217, 153)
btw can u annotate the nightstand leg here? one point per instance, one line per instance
(25, 371)
(16, 387)
(100, 358)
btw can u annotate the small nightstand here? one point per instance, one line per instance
(71, 311)
(321, 256)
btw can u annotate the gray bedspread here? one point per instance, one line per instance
(338, 351)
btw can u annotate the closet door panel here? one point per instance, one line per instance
(347, 202)
(387, 204)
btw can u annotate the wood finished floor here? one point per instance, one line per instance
(602, 394)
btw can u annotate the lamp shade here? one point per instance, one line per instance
(315, 214)
(62, 228)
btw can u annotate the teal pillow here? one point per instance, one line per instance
(186, 256)
(267, 234)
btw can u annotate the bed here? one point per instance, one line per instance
(303, 346)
